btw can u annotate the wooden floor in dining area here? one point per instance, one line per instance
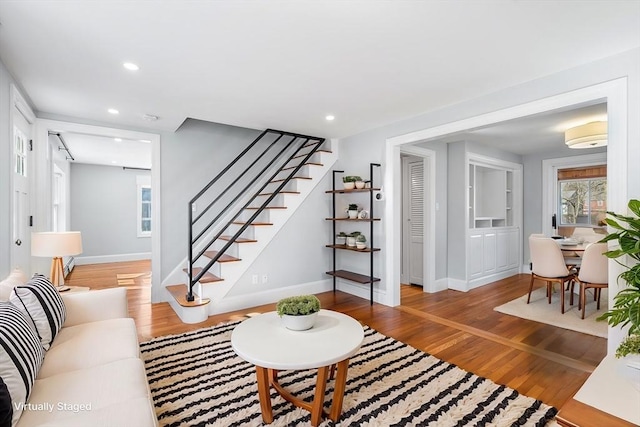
(538, 360)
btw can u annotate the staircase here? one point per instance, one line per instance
(235, 216)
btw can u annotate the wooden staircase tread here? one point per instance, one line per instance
(281, 192)
(306, 164)
(267, 207)
(206, 278)
(238, 240)
(252, 223)
(179, 293)
(313, 144)
(223, 258)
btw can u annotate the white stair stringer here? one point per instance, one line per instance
(231, 272)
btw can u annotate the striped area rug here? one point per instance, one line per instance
(197, 380)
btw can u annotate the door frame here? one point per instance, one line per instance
(20, 106)
(45, 165)
(614, 92)
(429, 211)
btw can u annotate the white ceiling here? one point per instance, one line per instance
(108, 151)
(539, 133)
(287, 64)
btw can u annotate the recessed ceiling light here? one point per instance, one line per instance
(150, 117)
(117, 139)
(113, 111)
(330, 117)
(114, 161)
(130, 66)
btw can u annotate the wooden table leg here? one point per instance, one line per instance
(318, 399)
(264, 395)
(338, 391)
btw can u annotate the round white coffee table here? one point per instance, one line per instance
(266, 343)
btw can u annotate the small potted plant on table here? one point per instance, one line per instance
(298, 313)
(341, 238)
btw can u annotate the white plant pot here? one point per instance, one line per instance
(299, 323)
(353, 214)
(341, 240)
(359, 184)
(349, 185)
(351, 241)
(361, 245)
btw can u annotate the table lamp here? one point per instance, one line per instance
(56, 245)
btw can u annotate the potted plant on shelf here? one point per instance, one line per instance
(359, 182)
(298, 313)
(352, 211)
(349, 182)
(341, 238)
(626, 307)
(351, 238)
(361, 241)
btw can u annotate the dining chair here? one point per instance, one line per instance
(594, 274)
(547, 264)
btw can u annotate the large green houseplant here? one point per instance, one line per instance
(626, 307)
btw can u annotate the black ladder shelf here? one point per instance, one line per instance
(371, 249)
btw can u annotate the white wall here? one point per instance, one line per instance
(104, 210)
(5, 170)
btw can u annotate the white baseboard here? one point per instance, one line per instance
(363, 291)
(467, 285)
(439, 285)
(102, 259)
(458, 285)
(239, 302)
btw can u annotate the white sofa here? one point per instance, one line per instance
(92, 375)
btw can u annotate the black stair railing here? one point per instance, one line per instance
(264, 165)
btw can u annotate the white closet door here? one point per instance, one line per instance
(416, 221)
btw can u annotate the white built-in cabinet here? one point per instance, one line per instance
(494, 219)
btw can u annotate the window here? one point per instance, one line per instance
(144, 206)
(20, 148)
(583, 202)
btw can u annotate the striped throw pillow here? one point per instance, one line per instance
(41, 303)
(21, 356)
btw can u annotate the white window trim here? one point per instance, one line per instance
(142, 182)
(550, 182)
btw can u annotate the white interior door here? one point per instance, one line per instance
(413, 221)
(20, 250)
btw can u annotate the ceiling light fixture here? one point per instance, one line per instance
(330, 118)
(113, 111)
(590, 135)
(150, 117)
(117, 139)
(130, 66)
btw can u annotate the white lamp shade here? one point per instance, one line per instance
(56, 244)
(589, 135)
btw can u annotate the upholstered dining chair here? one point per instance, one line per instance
(594, 274)
(547, 264)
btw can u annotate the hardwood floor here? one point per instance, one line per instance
(538, 360)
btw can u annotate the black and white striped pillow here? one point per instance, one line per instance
(21, 356)
(40, 302)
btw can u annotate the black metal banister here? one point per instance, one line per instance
(231, 186)
(214, 224)
(259, 211)
(242, 192)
